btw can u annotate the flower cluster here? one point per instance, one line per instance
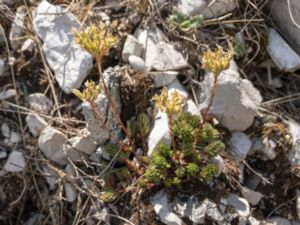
(171, 104)
(96, 40)
(90, 92)
(216, 61)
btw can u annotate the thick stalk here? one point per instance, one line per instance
(212, 96)
(109, 98)
(170, 124)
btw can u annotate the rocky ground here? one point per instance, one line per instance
(53, 160)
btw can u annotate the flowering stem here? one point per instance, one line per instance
(109, 98)
(170, 124)
(213, 90)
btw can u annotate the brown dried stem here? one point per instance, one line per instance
(109, 98)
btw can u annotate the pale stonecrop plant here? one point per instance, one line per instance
(215, 62)
(98, 41)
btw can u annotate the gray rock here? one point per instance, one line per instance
(35, 124)
(5, 130)
(137, 63)
(39, 102)
(278, 221)
(219, 161)
(209, 9)
(282, 54)
(51, 143)
(160, 133)
(177, 86)
(163, 78)
(3, 153)
(18, 28)
(15, 162)
(167, 58)
(131, 47)
(294, 152)
(2, 68)
(253, 197)
(236, 100)
(6, 94)
(161, 207)
(280, 14)
(72, 154)
(51, 176)
(98, 132)
(191, 7)
(10, 2)
(70, 191)
(269, 148)
(219, 8)
(70, 63)
(197, 211)
(239, 145)
(149, 39)
(191, 107)
(15, 137)
(253, 221)
(83, 144)
(240, 205)
(298, 203)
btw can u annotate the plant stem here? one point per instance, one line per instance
(212, 96)
(109, 98)
(170, 124)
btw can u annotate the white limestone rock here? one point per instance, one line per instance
(15, 137)
(51, 176)
(285, 58)
(131, 47)
(149, 39)
(18, 28)
(3, 67)
(167, 58)
(6, 94)
(40, 102)
(70, 63)
(236, 100)
(219, 8)
(160, 133)
(241, 205)
(70, 191)
(35, 124)
(161, 207)
(219, 161)
(5, 130)
(278, 221)
(3, 153)
(279, 11)
(10, 2)
(239, 145)
(15, 162)
(253, 197)
(177, 86)
(198, 211)
(294, 152)
(191, 107)
(163, 78)
(191, 7)
(51, 143)
(83, 144)
(72, 154)
(137, 63)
